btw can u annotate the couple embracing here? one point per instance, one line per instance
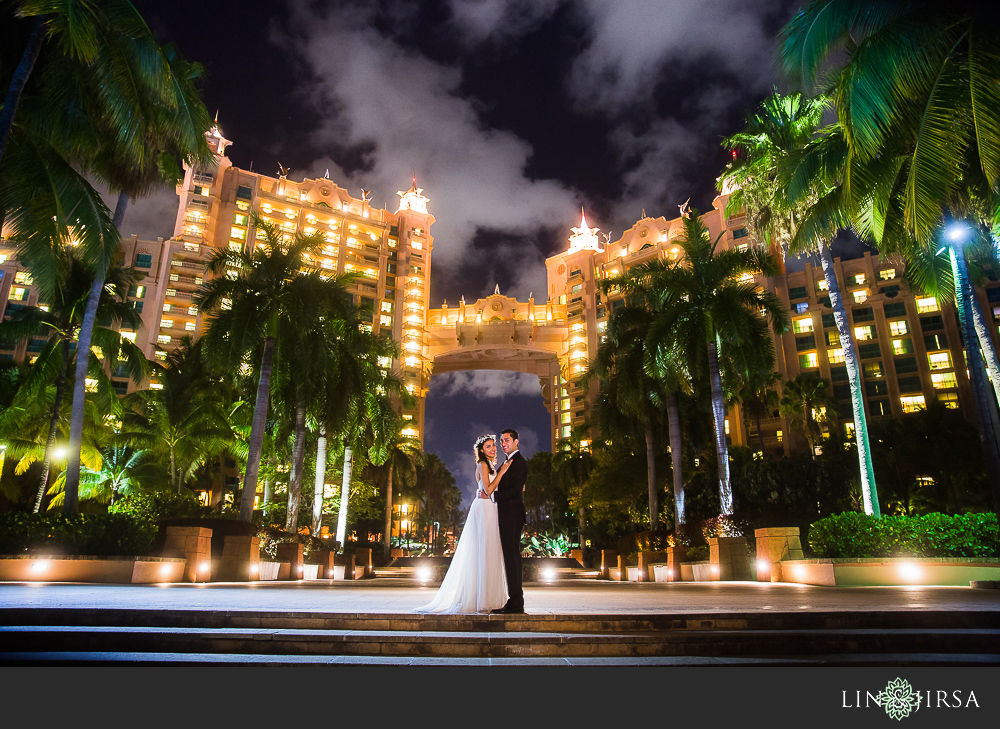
(485, 571)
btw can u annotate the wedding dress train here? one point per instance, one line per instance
(476, 581)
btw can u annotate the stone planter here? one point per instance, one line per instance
(83, 568)
(268, 570)
(881, 571)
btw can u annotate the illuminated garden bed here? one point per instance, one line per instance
(883, 571)
(83, 568)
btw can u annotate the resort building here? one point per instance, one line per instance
(909, 344)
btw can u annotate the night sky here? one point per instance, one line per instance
(512, 114)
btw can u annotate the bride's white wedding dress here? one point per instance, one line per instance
(476, 581)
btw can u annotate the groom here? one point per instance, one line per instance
(511, 518)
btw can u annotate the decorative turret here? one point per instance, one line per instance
(584, 238)
(413, 199)
(216, 141)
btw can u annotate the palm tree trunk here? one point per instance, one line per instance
(174, 481)
(992, 363)
(295, 478)
(257, 432)
(20, 79)
(673, 417)
(869, 492)
(53, 427)
(319, 481)
(719, 416)
(977, 371)
(580, 511)
(345, 493)
(654, 501)
(71, 504)
(387, 530)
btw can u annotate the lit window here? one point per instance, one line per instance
(943, 380)
(835, 356)
(926, 304)
(950, 399)
(803, 326)
(939, 360)
(778, 435)
(727, 426)
(171, 292)
(386, 306)
(174, 277)
(385, 321)
(860, 296)
(160, 354)
(128, 334)
(887, 273)
(234, 246)
(18, 293)
(808, 360)
(902, 346)
(166, 323)
(163, 339)
(566, 417)
(242, 205)
(193, 310)
(912, 403)
(864, 333)
(23, 277)
(898, 328)
(859, 279)
(822, 285)
(189, 326)
(849, 430)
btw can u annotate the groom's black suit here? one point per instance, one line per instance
(511, 518)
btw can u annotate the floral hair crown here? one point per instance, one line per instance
(483, 438)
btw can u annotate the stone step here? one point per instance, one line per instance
(567, 623)
(476, 644)
(57, 658)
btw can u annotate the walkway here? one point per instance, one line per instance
(388, 595)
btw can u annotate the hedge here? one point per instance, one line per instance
(80, 534)
(854, 535)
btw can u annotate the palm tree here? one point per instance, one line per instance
(255, 298)
(921, 131)
(59, 322)
(173, 125)
(572, 465)
(800, 397)
(401, 462)
(122, 473)
(637, 388)
(184, 416)
(758, 399)
(704, 310)
(770, 160)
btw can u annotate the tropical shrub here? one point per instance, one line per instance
(158, 505)
(546, 545)
(90, 534)
(855, 535)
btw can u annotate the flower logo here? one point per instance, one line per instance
(899, 700)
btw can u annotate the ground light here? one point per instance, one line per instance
(40, 566)
(549, 574)
(424, 573)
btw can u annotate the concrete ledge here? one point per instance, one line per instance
(954, 571)
(84, 568)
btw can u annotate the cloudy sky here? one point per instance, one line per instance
(511, 114)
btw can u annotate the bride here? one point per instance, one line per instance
(476, 581)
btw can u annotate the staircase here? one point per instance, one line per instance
(79, 636)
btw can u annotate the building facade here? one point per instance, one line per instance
(909, 345)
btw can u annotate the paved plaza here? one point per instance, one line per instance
(395, 595)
